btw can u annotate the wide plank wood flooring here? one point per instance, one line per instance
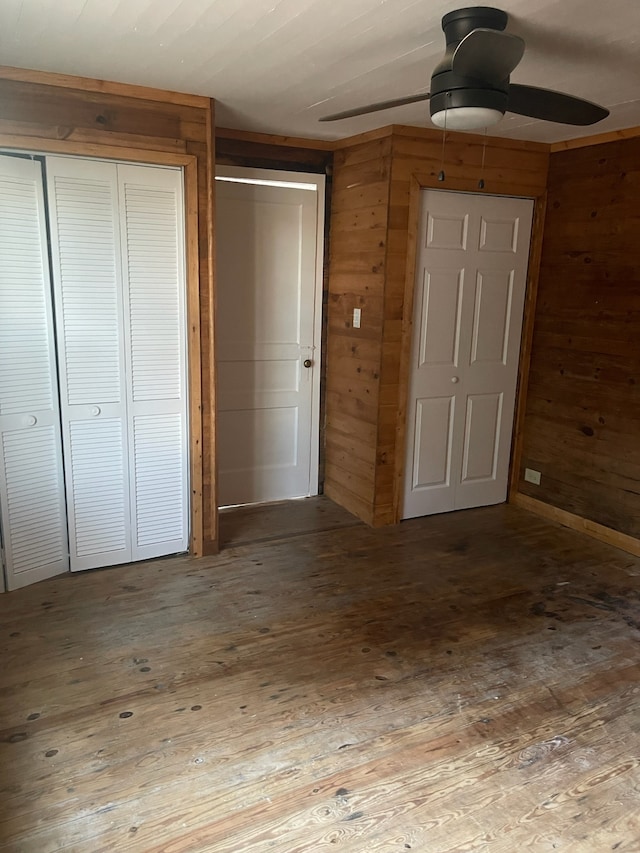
(464, 682)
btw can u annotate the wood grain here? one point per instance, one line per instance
(50, 113)
(106, 87)
(358, 234)
(469, 683)
(272, 139)
(582, 419)
(596, 139)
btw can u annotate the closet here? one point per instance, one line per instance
(93, 417)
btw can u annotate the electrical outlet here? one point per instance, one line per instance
(357, 313)
(532, 476)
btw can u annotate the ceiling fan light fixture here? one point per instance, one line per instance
(466, 118)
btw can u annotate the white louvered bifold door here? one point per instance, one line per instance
(151, 223)
(32, 502)
(86, 258)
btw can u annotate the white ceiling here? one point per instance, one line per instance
(276, 66)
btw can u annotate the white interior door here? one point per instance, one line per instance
(32, 505)
(268, 313)
(469, 299)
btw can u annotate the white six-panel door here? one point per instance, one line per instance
(32, 504)
(470, 285)
(267, 313)
(116, 246)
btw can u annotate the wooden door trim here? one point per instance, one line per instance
(189, 164)
(421, 182)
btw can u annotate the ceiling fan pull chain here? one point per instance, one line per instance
(441, 174)
(484, 151)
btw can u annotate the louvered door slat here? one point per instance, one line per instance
(153, 273)
(32, 508)
(83, 203)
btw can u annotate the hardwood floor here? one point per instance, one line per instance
(464, 682)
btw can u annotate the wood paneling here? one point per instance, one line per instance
(260, 151)
(377, 181)
(596, 139)
(462, 682)
(582, 426)
(45, 113)
(358, 239)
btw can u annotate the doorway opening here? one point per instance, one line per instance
(270, 247)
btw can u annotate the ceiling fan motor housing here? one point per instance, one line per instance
(451, 91)
(458, 24)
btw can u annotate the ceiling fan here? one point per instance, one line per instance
(470, 86)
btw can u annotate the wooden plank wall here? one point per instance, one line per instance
(582, 425)
(372, 221)
(359, 220)
(267, 151)
(50, 112)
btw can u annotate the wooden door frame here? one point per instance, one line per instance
(188, 164)
(511, 189)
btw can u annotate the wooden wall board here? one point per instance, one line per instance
(105, 87)
(582, 424)
(271, 139)
(356, 280)
(47, 113)
(597, 139)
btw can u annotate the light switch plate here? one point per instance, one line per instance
(357, 313)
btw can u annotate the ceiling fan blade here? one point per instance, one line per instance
(374, 108)
(487, 55)
(553, 106)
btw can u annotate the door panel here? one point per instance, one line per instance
(492, 317)
(32, 506)
(118, 257)
(266, 313)
(468, 315)
(434, 433)
(85, 252)
(482, 430)
(98, 474)
(151, 240)
(440, 318)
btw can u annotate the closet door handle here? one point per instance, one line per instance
(30, 420)
(455, 379)
(95, 411)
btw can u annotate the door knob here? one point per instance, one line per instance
(307, 362)
(455, 379)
